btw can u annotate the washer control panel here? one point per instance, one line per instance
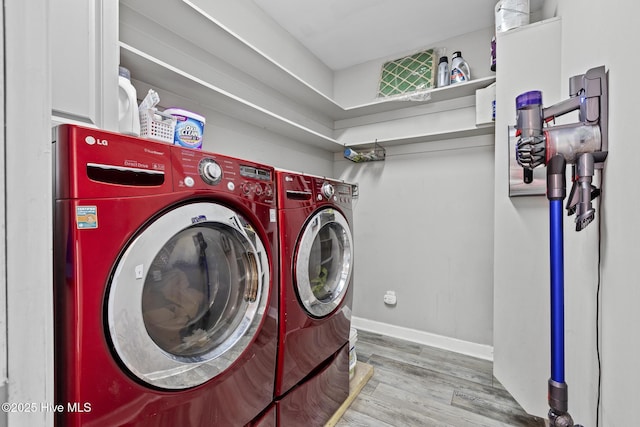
(200, 170)
(210, 171)
(258, 180)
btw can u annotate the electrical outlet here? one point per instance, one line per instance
(390, 298)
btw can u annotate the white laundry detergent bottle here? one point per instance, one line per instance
(128, 117)
(459, 69)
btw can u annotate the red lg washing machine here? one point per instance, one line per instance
(165, 284)
(316, 264)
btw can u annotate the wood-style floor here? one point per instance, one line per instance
(417, 385)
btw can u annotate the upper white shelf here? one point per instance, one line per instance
(428, 136)
(160, 51)
(172, 80)
(458, 90)
(160, 75)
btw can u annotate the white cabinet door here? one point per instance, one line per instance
(84, 62)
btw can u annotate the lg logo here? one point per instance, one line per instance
(93, 141)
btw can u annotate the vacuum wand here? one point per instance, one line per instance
(583, 145)
(558, 394)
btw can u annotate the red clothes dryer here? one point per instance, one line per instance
(165, 284)
(316, 265)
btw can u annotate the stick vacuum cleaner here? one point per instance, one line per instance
(584, 145)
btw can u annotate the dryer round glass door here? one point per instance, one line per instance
(323, 263)
(188, 295)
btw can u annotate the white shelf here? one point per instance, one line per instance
(160, 75)
(161, 54)
(449, 119)
(458, 90)
(427, 137)
(163, 76)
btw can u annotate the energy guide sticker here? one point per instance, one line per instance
(87, 217)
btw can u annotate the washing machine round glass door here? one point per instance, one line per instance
(188, 295)
(324, 260)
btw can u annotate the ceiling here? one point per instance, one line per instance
(342, 33)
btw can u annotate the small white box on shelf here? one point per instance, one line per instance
(485, 105)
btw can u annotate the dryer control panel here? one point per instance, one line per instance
(337, 192)
(201, 170)
(297, 190)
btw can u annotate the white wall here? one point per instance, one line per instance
(424, 229)
(596, 33)
(233, 137)
(3, 227)
(424, 219)
(28, 201)
(246, 20)
(593, 33)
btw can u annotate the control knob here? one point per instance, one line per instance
(327, 190)
(210, 171)
(246, 188)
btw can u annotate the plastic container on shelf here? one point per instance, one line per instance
(353, 155)
(157, 125)
(492, 61)
(511, 14)
(128, 117)
(444, 74)
(460, 71)
(485, 105)
(376, 154)
(189, 130)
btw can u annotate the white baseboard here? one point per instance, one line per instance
(480, 351)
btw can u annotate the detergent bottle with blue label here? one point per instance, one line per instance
(459, 69)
